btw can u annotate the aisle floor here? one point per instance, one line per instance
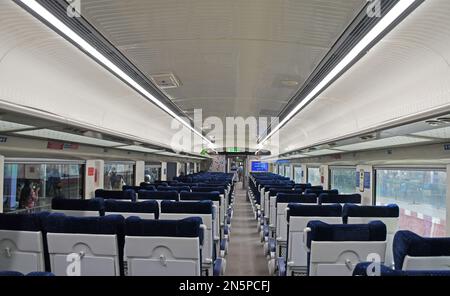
(245, 252)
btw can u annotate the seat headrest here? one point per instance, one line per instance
(189, 227)
(314, 210)
(60, 223)
(296, 198)
(302, 186)
(340, 198)
(116, 194)
(148, 206)
(221, 190)
(321, 231)
(321, 191)
(214, 196)
(147, 187)
(128, 187)
(173, 188)
(275, 191)
(95, 204)
(11, 273)
(408, 243)
(362, 269)
(353, 210)
(201, 207)
(23, 222)
(160, 195)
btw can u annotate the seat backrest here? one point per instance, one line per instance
(217, 200)
(298, 216)
(326, 198)
(148, 209)
(172, 210)
(413, 252)
(335, 250)
(128, 187)
(281, 205)
(389, 215)
(270, 203)
(96, 243)
(319, 192)
(22, 243)
(163, 247)
(157, 195)
(79, 207)
(128, 194)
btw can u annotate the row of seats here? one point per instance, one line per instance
(181, 244)
(322, 238)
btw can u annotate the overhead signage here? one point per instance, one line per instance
(258, 166)
(61, 145)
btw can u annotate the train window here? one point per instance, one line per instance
(343, 179)
(421, 196)
(287, 171)
(297, 174)
(281, 170)
(152, 173)
(314, 176)
(32, 186)
(118, 174)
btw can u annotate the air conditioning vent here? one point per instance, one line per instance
(165, 81)
(367, 137)
(444, 119)
(435, 122)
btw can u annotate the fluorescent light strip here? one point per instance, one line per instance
(54, 21)
(382, 25)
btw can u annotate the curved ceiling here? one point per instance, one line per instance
(231, 57)
(405, 75)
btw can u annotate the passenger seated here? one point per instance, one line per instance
(371, 269)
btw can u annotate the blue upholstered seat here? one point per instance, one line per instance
(407, 243)
(326, 198)
(129, 194)
(296, 198)
(214, 196)
(353, 210)
(95, 204)
(158, 195)
(321, 231)
(118, 206)
(201, 207)
(189, 227)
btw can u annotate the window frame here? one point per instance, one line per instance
(339, 167)
(307, 173)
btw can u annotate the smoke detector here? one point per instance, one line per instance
(165, 81)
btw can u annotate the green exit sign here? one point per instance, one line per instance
(233, 150)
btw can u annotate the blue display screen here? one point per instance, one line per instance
(258, 166)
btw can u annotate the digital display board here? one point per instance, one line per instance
(258, 166)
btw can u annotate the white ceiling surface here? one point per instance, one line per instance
(406, 74)
(230, 56)
(41, 70)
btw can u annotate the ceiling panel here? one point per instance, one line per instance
(382, 143)
(229, 56)
(11, 126)
(322, 152)
(440, 133)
